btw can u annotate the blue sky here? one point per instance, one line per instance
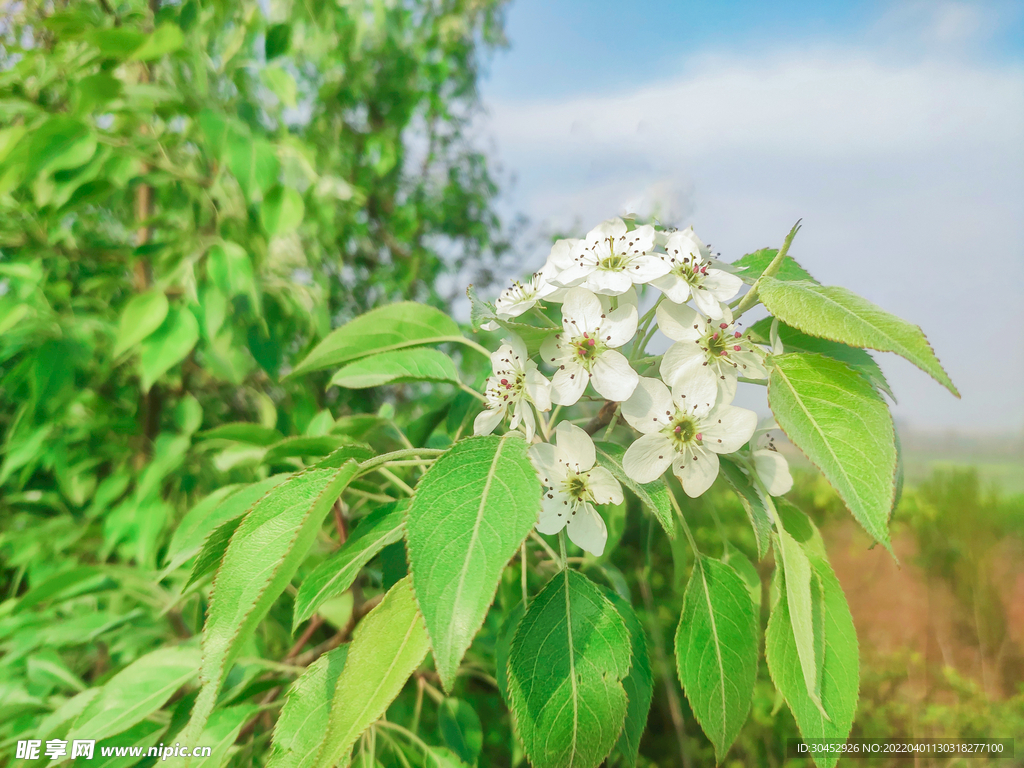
(894, 129)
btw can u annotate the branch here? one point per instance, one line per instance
(603, 418)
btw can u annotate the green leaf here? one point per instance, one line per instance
(254, 163)
(840, 315)
(385, 329)
(230, 268)
(740, 563)
(842, 424)
(281, 83)
(460, 729)
(277, 40)
(282, 210)
(300, 728)
(755, 263)
(59, 144)
(304, 446)
(716, 651)
(396, 368)
(224, 504)
(472, 510)
(753, 503)
(565, 671)
(165, 39)
(243, 432)
(504, 645)
(212, 553)
(795, 341)
(116, 43)
(136, 692)
(388, 645)
(265, 552)
(167, 346)
(220, 734)
(654, 495)
(638, 684)
(335, 575)
(839, 670)
(141, 316)
(797, 579)
(482, 313)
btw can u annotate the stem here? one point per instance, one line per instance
(395, 480)
(643, 334)
(371, 464)
(745, 380)
(682, 520)
(545, 425)
(561, 547)
(473, 392)
(776, 264)
(613, 421)
(471, 344)
(418, 708)
(547, 547)
(522, 560)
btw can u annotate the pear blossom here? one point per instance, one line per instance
(610, 260)
(682, 431)
(771, 466)
(572, 485)
(523, 296)
(585, 349)
(691, 275)
(709, 349)
(516, 385)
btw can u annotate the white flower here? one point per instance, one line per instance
(691, 274)
(683, 432)
(585, 349)
(611, 260)
(522, 297)
(516, 384)
(771, 466)
(572, 486)
(714, 350)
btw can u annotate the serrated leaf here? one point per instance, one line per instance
(565, 671)
(654, 496)
(795, 341)
(300, 729)
(843, 426)
(472, 510)
(219, 735)
(716, 650)
(839, 669)
(135, 692)
(167, 346)
(265, 551)
(460, 729)
(753, 503)
(753, 264)
(384, 329)
(212, 553)
(142, 315)
(224, 504)
(254, 164)
(388, 645)
(335, 575)
(638, 684)
(396, 368)
(740, 563)
(838, 314)
(320, 445)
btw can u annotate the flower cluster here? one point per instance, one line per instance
(680, 403)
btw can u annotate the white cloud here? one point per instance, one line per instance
(909, 176)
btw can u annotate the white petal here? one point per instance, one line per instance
(727, 428)
(581, 312)
(674, 287)
(576, 446)
(695, 385)
(604, 486)
(619, 326)
(608, 282)
(571, 276)
(525, 414)
(680, 359)
(647, 268)
(519, 353)
(727, 386)
(487, 420)
(614, 228)
(501, 360)
(773, 469)
(707, 303)
(629, 297)
(568, 384)
(677, 321)
(551, 349)
(587, 530)
(549, 461)
(648, 457)
(560, 257)
(685, 242)
(696, 472)
(722, 285)
(642, 237)
(613, 377)
(538, 387)
(555, 511)
(650, 407)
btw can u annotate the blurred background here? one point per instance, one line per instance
(193, 192)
